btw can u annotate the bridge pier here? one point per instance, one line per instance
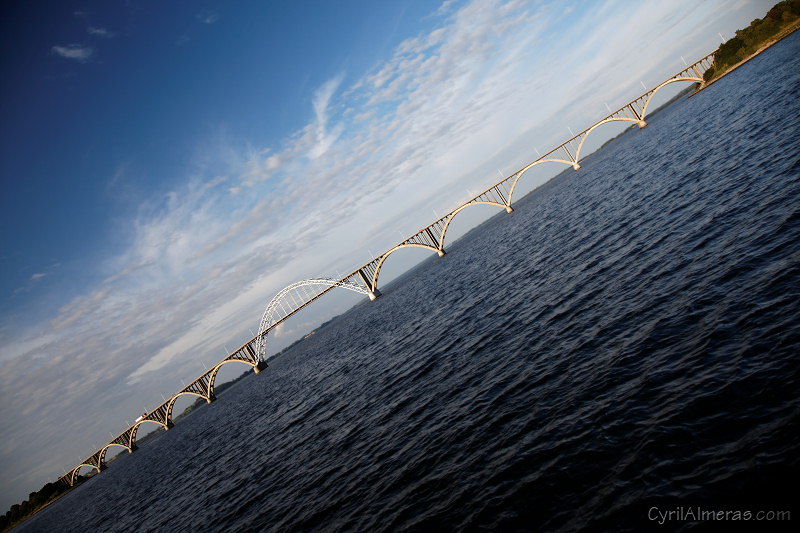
(509, 209)
(642, 124)
(211, 398)
(440, 252)
(373, 295)
(258, 367)
(576, 166)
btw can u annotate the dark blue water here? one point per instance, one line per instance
(627, 340)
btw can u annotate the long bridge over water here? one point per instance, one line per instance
(364, 279)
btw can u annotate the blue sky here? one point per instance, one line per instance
(168, 167)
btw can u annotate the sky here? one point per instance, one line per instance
(167, 167)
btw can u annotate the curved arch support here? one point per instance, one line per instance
(641, 124)
(135, 429)
(109, 445)
(171, 403)
(212, 375)
(276, 307)
(453, 214)
(526, 168)
(664, 84)
(73, 474)
(384, 257)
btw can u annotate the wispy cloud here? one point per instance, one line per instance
(207, 16)
(99, 31)
(35, 278)
(324, 137)
(78, 52)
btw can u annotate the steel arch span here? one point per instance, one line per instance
(433, 237)
(291, 299)
(373, 282)
(249, 358)
(452, 215)
(72, 476)
(135, 428)
(171, 403)
(104, 451)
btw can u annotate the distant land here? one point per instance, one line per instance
(779, 22)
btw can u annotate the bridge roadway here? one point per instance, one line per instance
(364, 279)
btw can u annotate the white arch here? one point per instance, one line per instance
(640, 122)
(135, 428)
(267, 321)
(664, 84)
(460, 208)
(385, 256)
(73, 474)
(109, 445)
(532, 164)
(171, 403)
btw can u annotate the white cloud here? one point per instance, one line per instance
(77, 52)
(273, 162)
(34, 279)
(29, 345)
(324, 137)
(99, 31)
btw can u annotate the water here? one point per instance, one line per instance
(627, 339)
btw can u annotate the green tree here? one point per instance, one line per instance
(747, 41)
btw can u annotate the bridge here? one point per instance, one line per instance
(364, 279)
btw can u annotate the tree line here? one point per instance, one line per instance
(36, 500)
(778, 22)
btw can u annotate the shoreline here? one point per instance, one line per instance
(763, 48)
(42, 508)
